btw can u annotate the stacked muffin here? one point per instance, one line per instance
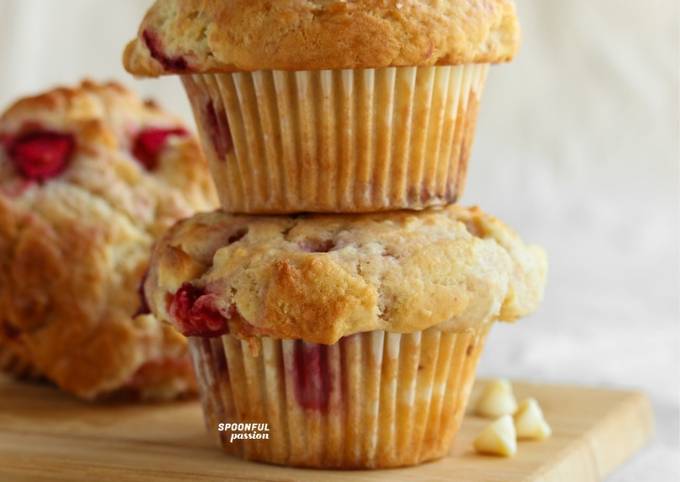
(351, 325)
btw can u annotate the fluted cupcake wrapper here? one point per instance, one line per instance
(372, 400)
(338, 140)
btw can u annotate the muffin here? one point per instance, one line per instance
(354, 338)
(16, 363)
(330, 105)
(90, 176)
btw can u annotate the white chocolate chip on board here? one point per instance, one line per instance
(498, 438)
(530, 423)
(497, 399)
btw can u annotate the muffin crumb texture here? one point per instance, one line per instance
(320, 278)
(194, 36)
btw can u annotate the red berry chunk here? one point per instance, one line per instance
(195, 313)
(312, 376)
(217, 128)
(150, 143)
(171, 64)
(42, 155)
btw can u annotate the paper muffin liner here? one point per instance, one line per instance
(372, 400)
(338, 140)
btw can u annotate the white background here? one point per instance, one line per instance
(577, 148)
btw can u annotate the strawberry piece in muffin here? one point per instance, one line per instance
(42, 155)
(196, 313)
(150, 143)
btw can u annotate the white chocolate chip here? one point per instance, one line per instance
(530, 422)
(498, 438)
(497, 399)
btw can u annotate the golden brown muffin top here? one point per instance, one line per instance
(200, 36)
(322, 277)
(14, 361)
(89, 177)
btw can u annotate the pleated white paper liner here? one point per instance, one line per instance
(372, 400)
(338, 140)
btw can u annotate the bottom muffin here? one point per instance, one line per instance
(371, 400)
(340, 341)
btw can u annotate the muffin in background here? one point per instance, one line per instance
(16, 363)
(355, 338)
(90, 176)
(330, 106)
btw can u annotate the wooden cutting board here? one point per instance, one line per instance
(45, 435)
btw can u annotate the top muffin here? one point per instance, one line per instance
(200, 36)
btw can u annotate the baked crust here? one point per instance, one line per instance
(74, 247)
(199, 36)
(16, 363)
(322, 277)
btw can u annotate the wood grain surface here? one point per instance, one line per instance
(45, 435)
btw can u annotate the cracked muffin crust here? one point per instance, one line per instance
(320, 278)
(90, 176)
(16, 362)
(200, 36)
